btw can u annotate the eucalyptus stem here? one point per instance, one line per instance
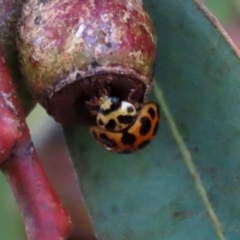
(44, 216)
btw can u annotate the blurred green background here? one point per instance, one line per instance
(11, 227)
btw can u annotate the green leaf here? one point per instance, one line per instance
(186, 183)
(11, 226)
(223, 9)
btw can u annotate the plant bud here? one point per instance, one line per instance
(74, 52)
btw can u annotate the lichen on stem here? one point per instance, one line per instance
(44, 216)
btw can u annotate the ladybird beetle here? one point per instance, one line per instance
(115, 115)
(136, 136)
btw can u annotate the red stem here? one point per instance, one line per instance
(44, 216)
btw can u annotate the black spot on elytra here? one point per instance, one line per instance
(152, 113)
(107, 141)
(145, 126)
(128, 138)
(95, 64)
(125, 119)
(110, 125)
(143, 144)
(130, 109)
(37, 20)
(125, 152)
(116, 103)
(100, 122)
(155, 128)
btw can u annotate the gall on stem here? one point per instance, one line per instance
(44, 216)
